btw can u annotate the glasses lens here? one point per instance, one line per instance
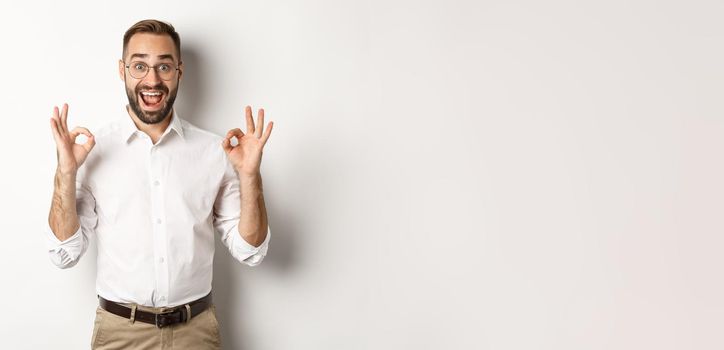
(138, 70)
(165, 71)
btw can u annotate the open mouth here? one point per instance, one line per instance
(151, 99)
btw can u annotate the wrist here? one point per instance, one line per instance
(66, 173)
(250, 183)
(247, 174)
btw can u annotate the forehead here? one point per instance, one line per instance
(152, 45)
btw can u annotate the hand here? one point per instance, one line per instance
(246, 156)
(70, 154)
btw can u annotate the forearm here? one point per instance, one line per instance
(253, 219)
(63, 217)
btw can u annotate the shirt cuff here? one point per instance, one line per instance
(64, 254)
(247, 253)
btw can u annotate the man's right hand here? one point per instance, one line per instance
(70, 155)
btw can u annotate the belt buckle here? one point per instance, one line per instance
(162, 321)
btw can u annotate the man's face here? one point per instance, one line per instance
(151, 97)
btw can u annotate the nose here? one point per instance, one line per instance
(152, 76)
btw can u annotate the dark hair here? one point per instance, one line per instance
(155, 27)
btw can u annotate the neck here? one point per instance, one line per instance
(154, 131)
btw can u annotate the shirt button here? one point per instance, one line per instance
(158, 221)
(160, 260)
(156, 183)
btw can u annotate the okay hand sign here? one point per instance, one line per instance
(246, 156)
(70, 154)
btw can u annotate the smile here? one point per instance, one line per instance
(152, 99)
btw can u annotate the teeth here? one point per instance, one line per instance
(154, 93)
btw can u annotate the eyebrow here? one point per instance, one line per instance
(161, 57)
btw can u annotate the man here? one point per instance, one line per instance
(152, 189)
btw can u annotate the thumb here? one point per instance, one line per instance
(88, 145)
(226, 145)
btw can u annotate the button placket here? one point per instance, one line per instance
(157, 167)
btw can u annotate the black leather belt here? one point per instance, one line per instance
(179, 314)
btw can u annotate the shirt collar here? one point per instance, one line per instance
(128, 127)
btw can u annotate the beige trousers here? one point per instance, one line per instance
(111, 331)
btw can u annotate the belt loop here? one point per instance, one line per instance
(133, 313)
(188, 313)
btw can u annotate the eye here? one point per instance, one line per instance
(164, 67)
(139, 66)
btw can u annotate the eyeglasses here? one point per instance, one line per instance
(139, 70)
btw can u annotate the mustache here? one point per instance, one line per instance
(159, 87)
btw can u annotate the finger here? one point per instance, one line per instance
(64, 117)
(89, 143)
(226, 145)
(56, 133)
(260, 121)
(267, 133)
(58, 123)
(249, 121)
(80, 130)
(234, 132)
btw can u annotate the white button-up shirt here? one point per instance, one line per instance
(153, 211)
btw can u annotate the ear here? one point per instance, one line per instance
(121, 70)
(180, 70)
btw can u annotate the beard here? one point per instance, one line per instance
(151, 117)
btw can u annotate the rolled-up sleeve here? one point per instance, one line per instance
(227, 209)
(67, 253)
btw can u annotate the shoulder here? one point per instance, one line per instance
(108, 129)
(196, 133)
(202, 139)
(203, 143)
(205, 146)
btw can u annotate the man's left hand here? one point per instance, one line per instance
(246, 155)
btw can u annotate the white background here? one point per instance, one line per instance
(441, 174)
